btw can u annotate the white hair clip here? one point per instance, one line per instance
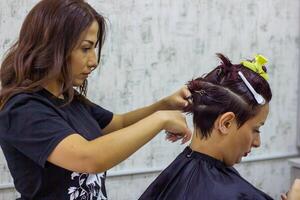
(259, 99)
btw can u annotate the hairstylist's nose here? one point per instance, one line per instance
(92, 59)
(256, 142)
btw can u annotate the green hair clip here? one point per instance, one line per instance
(257, 65)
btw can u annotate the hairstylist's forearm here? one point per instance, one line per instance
(138, 114)
(77, 154)
(119, 145)
(120, 121)
(176, 101)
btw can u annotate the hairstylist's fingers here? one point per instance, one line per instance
(172, 136)
(283, 197)
(187, 136)
(182, 102)
(188, 133)
(185, 94)
(167, 137)
(189, 99)
(175, 124)
(179, 100)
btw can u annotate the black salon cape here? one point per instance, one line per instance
(196, 176)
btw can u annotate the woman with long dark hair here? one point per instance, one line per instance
(229, 105)
(57, 143)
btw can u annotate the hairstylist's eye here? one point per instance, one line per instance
(256, 131)
(85, 49)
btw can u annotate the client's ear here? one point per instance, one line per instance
(225, 122)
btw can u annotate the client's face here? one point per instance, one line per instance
(246, 137)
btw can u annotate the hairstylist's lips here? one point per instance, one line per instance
(85, 75)
(246, 154)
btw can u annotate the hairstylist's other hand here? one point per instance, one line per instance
(175, 126)
(294, 193)
(178, 100)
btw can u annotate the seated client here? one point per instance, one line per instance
(229, 105)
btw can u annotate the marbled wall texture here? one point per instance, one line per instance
(153, 47)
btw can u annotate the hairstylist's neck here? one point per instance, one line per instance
(210, 146)
(54, 87)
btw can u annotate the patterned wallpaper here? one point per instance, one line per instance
(153, 47)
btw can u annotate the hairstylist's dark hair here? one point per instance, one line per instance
(42, 52)
(222, 90)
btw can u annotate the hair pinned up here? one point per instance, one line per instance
(224, 91)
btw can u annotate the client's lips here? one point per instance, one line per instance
(246, 154)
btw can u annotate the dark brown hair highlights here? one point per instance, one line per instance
(221, 91)
(48, 35)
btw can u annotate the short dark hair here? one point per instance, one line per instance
(221, 91)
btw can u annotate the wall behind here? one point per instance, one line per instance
(154, 47)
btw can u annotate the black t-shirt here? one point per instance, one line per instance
(31, 126)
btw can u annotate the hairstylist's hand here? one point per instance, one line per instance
(175, 126)
(294, 193)
(178, 100)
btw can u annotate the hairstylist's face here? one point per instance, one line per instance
(247, 136)
(83, 57)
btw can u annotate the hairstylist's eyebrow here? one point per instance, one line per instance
(89, 41)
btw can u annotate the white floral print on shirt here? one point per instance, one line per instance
(88, 186)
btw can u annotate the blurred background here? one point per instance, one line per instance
(153, 47)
